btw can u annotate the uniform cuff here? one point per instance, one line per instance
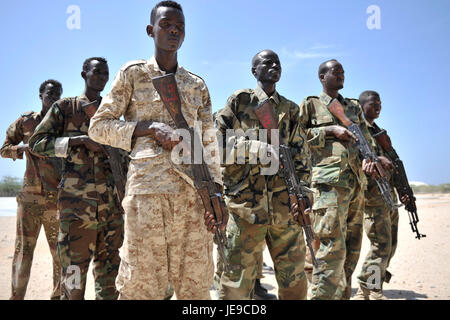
(61, 147)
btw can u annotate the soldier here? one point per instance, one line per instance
(37, 199)
(165, 240)
(380, 221)
(258, 203)
(339, 181)
(91, 223)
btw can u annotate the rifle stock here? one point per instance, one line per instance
(207, 189)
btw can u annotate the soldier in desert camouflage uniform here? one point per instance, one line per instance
(380, 221)
(258, 203)
(166, 241)
(339, 183)
(37, 199)
(90, 214)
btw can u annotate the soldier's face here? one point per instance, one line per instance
(97, 76)
(50, 95)
(372, 107)
(168, 31)
(334, 77)
(267, 68)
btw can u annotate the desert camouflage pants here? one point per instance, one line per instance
(80, 241)
(166, 242)
(34, 211)
(338, 219)
(381, 226)
(245, 248)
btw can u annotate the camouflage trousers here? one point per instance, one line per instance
(166, 242)
(34, 211)
(82, 240)
(219, 269)
(381, 226)
(245, 248)
(338, 219)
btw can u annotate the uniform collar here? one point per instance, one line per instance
(153, 65)
(368, 123)
(326, 99)
(261, 95)
(85, 98)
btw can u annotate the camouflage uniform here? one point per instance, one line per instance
(339, 184)
(381, 226)
(166, 241)
(259, 204)
(36, 205)
(91, 219)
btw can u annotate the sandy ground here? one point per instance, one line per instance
(420, 267)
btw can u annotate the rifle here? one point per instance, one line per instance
(400, 179)
(209, 192)
(114, 157)
(297, 194)
(366, 151)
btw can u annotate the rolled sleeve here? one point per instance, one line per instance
(62, 147)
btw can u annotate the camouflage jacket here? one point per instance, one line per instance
(332, 160)
(151, 169)
(42, 174)
(372, 194)
(86, 174)
(258, 198)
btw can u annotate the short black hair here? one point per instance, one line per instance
(256, 56)
(55, 83)
(323, 68)
(87, 62)
(169, 4)
(364, 97)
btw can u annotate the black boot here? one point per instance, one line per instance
(260, 293)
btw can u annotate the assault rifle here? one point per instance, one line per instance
(114, 157)
(366, 151)
(400, 179)
(297, 194)
(208, 190)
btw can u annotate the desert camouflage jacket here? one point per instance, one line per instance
(332, 160)
(42, 174)
(133, 96)
(258, 198)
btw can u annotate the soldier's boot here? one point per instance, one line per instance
(169, 292)
(377, 295)
(362, 294)
(260, 293)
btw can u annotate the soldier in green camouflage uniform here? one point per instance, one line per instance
(339, 183)
(37, 199)
(258, 203)
(380, 221)
(90, 213)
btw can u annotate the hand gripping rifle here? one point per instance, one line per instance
(114, 157)
(400, 179)
(366, 151)
(208, 190)
(297, 194)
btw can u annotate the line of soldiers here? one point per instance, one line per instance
(69, 186)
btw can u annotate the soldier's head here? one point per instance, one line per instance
(95, 73)
(331, 75)
(371, 104)
(266, 66)
(50, 91)
(167, 26)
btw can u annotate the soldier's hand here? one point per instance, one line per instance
(87, 142)
(22, 148)
(165, 135)
(369, 168)
(386, 163)
(210, 222)
(343, 134)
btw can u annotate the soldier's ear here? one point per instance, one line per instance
(40, 96)
(83, 74)
(150, 30)
(254, 71)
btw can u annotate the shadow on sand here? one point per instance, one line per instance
(400, 294)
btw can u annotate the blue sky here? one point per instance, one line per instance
(406, 61)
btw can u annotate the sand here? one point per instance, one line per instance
(420, 267)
